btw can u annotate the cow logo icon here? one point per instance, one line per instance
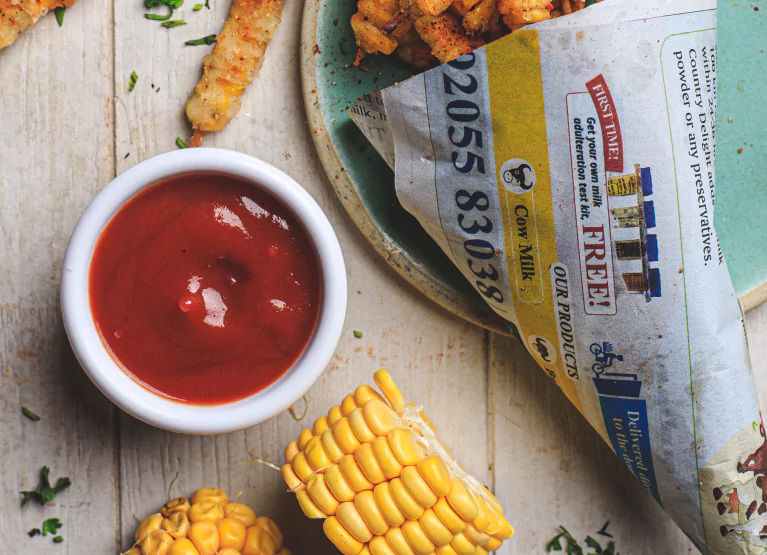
(518, 176)
(542, 349)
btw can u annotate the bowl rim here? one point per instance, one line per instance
(136, 399)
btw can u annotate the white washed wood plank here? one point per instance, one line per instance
(55, 154)
(551, 468)
(437, 359)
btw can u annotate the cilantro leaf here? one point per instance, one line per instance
(51, 526)
(207, 4)
(29, 414)
(594, 544)
(58, 539)
(34, 532)
(610, 549)
(44, 491)
(555, 544)
(59, 13)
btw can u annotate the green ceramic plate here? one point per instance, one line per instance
(365, 184)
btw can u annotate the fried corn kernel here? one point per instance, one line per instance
(179, 504)
(209, 511)
(417, 8)
(321, 495)
(270, 526)
(210, 495)
(315, 454)
(360, 426)
(182, 546)
(389, 485)
(177, 524)
(368, 508)
(445, 36)
(341, 538)
(478, 20)
(231, 533)
(389, 509)
(258, 541)
(417, 487)
(368, 463)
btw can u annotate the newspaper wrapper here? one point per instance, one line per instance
(568, 172)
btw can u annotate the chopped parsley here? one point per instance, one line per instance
(358, 334)
(51, 526)
(197, 7)
(210, 39)
(180, 143)
(572, 547)
(44, 492)
(133, 79)
(34, 532)
(58, 539)
(29, 414)
(173, 23)
(59, 13)
(207, 4)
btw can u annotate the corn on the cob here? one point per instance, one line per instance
(386, 485)
(208, 525)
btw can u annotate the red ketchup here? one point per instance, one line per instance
(204, 288)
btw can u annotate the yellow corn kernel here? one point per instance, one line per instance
(338, 485)
(293, 481)
(340, 537)
(176, 524)
(365, 393)
(434, 471)
(389, 464)
(461, 500)
(307, 505)
(506, 531)
(378, 546)
(368, 463)
(409, 506)
(448, 516)
(177, 505)
(228, 551)
(405, 446)
(344, 436)
(291, 451)
(134, 551)
(499, 526)
(206, 511)
(334, 415)
(390, 390)
(446, 550)
(397, 542)
(321, 495)
(389, 509)
(353, 474)
(351, 519)
(493, 544)
(240, 512)
(258, 542)
(462, 545)
(330, 446)
(475, 536)
(417, 487)
(320, 425)
(301, 466)
(315, 454)
(158, 543)
(371, 513)
(231, 533)
(484, 516)
(150, 524)
(270, 526)
(284, 551)
(418, 540)
(182, 546)
(433, 527)
(360, 426)
(303, 437)
(493, 501)
(380, 417)
(204, 536)
(348, 404)
(210, 495)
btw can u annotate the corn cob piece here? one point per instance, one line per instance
(386, 485)
(445, 36)
(209, 524)
(19, 15)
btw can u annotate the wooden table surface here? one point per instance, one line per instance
(67, 123)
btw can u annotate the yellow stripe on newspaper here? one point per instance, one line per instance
(524, 189)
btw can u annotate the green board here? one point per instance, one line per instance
(741, 175)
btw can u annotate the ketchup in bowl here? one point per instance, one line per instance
(205, 289)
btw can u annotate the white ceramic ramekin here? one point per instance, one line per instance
(139, 401)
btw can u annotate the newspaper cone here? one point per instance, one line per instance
(568, 172)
